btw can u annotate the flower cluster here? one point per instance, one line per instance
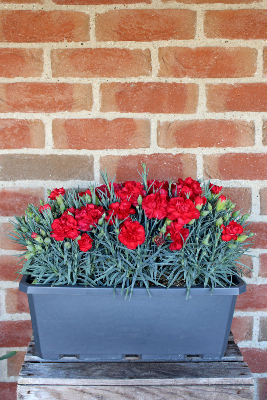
(133, 231)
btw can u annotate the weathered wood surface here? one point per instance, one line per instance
(124, 374)
(218, 392)
(71, 379)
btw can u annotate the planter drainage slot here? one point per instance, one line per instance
(69, 356)
(193, 357)
(132, 357)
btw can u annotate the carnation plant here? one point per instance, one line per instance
(134, 234)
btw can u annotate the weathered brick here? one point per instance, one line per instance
(144, 97)
(104, 62)
(8, 267)
(15, 200)
(207, 62)
(256, 359)
(43, 26)
(263, 265)
(262, 388)
(15, 333)
(145, 25)
(236, 24)
(236, 166)
(98, 134)
(21, 62)
(8, 390)
(241, 197)
(242, 328)
(263, 329)
(247, 262)
(100, 2)
(260, 237)
(237, 97)
(45, 167)
(14, 364)
(255, 299)
(16, 301)
(161, 166)
(263, 200)
(206, 133)
(19, 134)
(45, 97)
(5, 242)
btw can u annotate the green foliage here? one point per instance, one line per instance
(8, 355)
(205, 259)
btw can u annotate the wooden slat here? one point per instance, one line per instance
(219, 392)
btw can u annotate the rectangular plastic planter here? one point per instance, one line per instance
(96, 325)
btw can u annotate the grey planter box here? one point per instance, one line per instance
(94, 324)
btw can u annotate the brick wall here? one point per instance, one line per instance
(90, 84)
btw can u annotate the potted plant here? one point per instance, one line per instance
(137, 270)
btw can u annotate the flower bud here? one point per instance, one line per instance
(191, 222)
(24, 229)
(235, 214)
(47, 240)
(139, 200)
(209, 207)
(28, 242)
(221, 203)
(232, 205)
(163, 229)
(231, 245)
(62, 206)
(199, 207)
(251, 234)
(38, 247)
(41, 202)
(67, 245)
(219, 222)
(37, 219)
(60, 200)
(226, 217)
(244, 218)
(206, 240)
(204, 213)
(28, 255)
(241, 238)
(43, 233)
(168, 221)
(48, 192)
(39, 239)
(31, 247)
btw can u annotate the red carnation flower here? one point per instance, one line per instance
(88, 191)
(64, 227)
(178, 235)
(132, 234)
(34, 235)
(231, 231)
(56, 192)
(189, 188)
(85, 243)
(131, 191)
(120, 210)
(88, 216)
(155, 205)
(103, 190)
(178, 207)
(154, 186)
(200, 200)
(215, 189)
(69, 211)
(45, 207)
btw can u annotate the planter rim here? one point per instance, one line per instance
(25, 286)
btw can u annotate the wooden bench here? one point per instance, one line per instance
(71, 379)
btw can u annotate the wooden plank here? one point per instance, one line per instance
(219, 392)
(112, 374)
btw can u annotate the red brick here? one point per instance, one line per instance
(207, 62)
(260, 234)
(8, 390)
(241, 197)
(45, 167)
(161, 166)
(44, 26)
(5, 242)
(255, 299)
(236, 24)
(247, 262)
(100, 2)
(16, 302)
(98, 134)
(45, 97)
(8, 267)
(263, 200)
(19, 134)
(263, 329)
(206, 133)
(242, 328)
(256, 359)
(144, 97)
(21, 62)
(236, 166)
(15, 200)
(237, 97)
(145, 25)
(263, 265)
(262, 388)
(15, 333)
(14, 363)
(101, 62)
